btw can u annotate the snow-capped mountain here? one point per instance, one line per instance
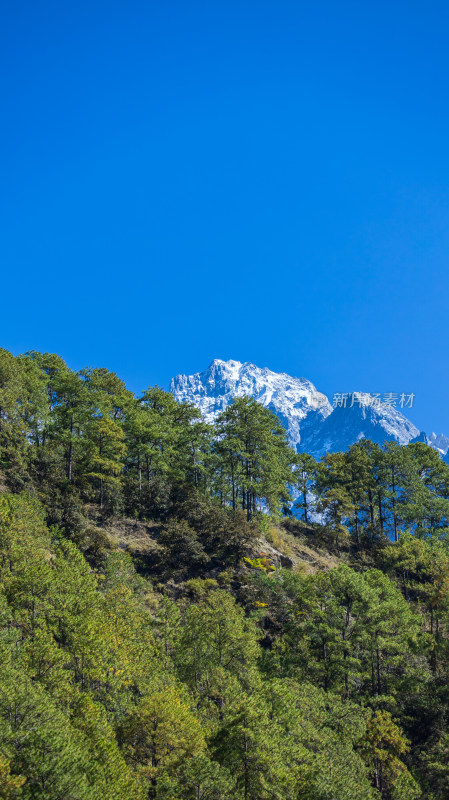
(313, 425)
(440, 442)
(363, 420)
(296, 402)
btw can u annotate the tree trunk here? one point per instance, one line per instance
(381, 519)
(70, 453)
(395, 522)
(357, 532)
(379, 684)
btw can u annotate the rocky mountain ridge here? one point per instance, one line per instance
(312, 423)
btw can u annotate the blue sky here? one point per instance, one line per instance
(264, 181)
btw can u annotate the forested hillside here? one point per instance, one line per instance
(169, 630)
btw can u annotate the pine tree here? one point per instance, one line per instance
(159, 734)
(255, 456)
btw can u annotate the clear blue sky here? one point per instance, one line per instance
(264, 181)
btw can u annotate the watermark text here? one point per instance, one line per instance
(375, 400)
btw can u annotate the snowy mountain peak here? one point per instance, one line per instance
(440, 442)
(295, 401)
(313, 425)
(366, 419)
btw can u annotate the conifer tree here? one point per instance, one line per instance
(255, 455)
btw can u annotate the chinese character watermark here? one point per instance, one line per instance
(375, 400)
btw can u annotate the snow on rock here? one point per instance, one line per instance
(294, 400)
(313, 425)
(440, 442)
(364, 420)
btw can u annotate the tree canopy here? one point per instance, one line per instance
(206, 660)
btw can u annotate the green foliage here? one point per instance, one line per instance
(260, 563)
(371, 494)
(55, 735)
(159, 735)
(182, 550)
(255, 459)
(208, 674)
